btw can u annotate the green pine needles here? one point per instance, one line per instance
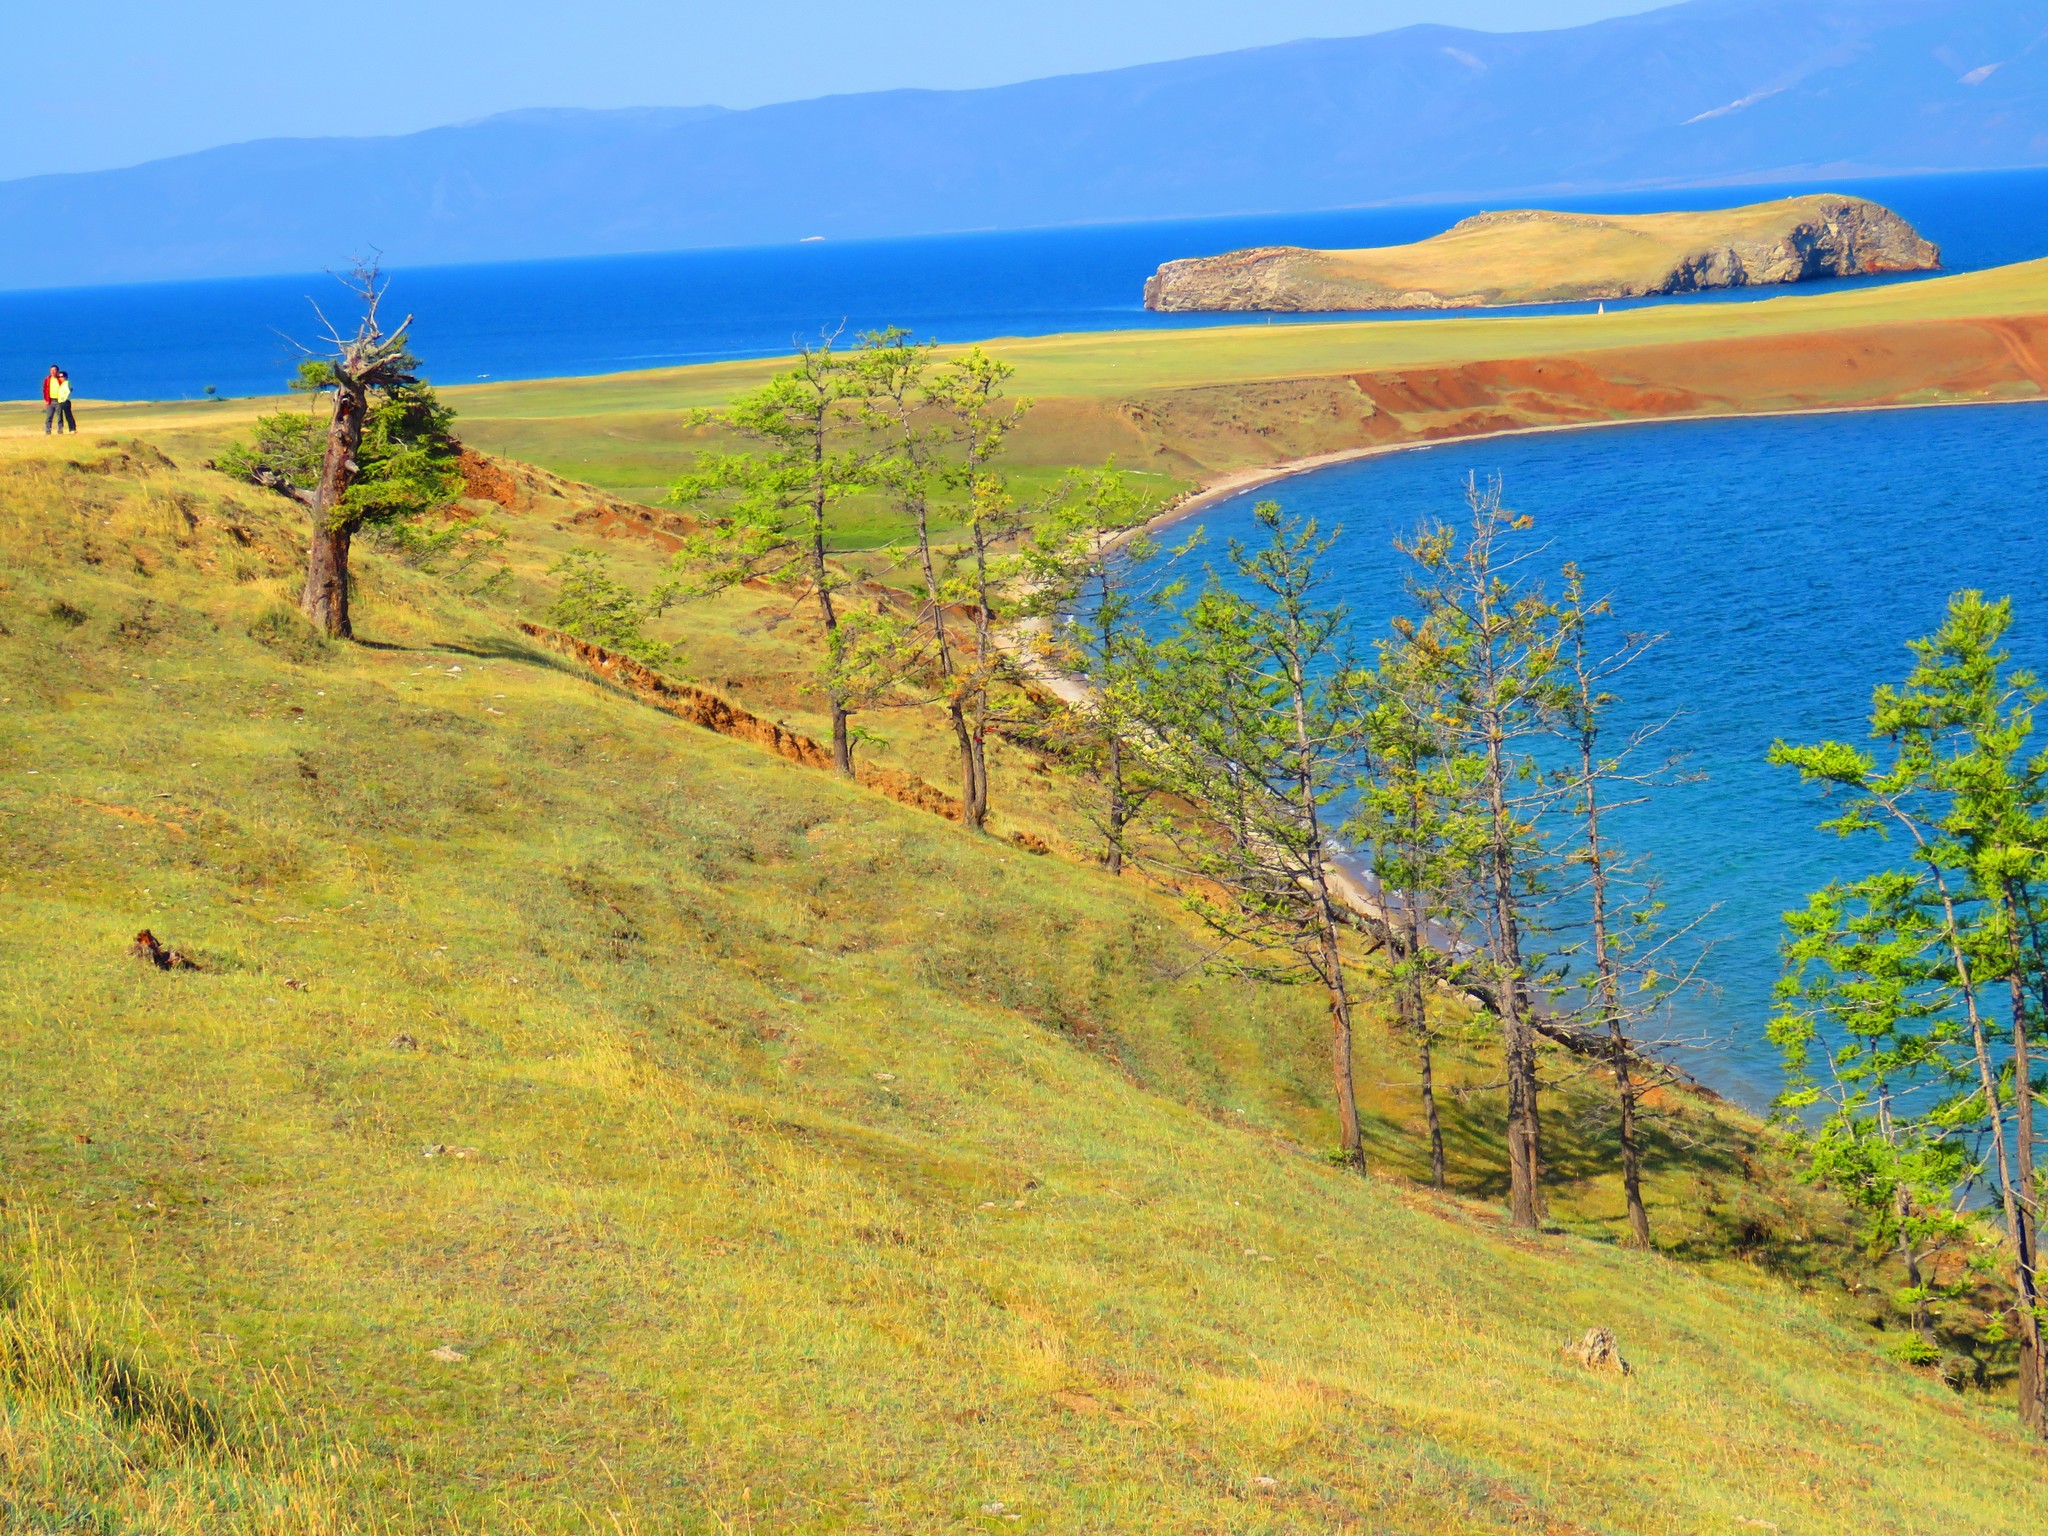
(1914, 996)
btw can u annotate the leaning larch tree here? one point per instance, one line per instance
(359, 368)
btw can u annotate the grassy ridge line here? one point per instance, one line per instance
(833, 1171)
(1102, 364)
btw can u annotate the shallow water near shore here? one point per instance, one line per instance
(1786, 562)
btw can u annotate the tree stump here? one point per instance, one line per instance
(151, 950)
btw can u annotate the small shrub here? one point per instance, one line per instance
(1912, 1349)
(283, 629)
(70, 615)
(592, 606)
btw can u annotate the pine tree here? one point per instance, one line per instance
(1097, 580)
(1631, 962)
(784, 507)
(1934, 975)
(985, 574)
(1418, 819)
(1489, 638)
(1254, 710)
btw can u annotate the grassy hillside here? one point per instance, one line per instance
(581, 1121)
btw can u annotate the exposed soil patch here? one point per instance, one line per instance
(702, 707)
(528, 488)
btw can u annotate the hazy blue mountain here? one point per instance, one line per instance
(1708, 91)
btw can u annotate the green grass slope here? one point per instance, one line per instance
(583, 1122)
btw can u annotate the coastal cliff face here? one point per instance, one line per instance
(1530, 256)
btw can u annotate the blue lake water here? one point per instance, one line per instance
(546, 318)
(1786, 562)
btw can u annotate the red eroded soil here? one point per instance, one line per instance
(521, 487)
(1873, 366)
(1203, 430)
(702, 707)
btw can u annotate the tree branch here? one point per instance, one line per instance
(271, 480)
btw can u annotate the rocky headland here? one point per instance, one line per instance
(1531, 256)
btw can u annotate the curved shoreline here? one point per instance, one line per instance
(1238, 481)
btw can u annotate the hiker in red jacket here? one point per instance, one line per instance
(50, 398)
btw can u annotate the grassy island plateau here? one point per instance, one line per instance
(1530, 256)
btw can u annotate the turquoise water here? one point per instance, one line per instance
(1785, 561)
(542, 319)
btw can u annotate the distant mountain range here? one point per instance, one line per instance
(1704, 92)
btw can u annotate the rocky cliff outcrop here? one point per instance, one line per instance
(1530, 256)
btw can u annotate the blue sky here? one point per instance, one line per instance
(113, 83)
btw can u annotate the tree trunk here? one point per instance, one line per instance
(1418, 1019)
(973, 799)
(1117, 815)
(2033, 1369)
(976, 741)
(828, 616)
(325, 598)
(1631, 1149)
(977, 752)
(2030, 1384)
(931, 589)
(1525, 1128)
(1923, 1322)
(2033, 1388)
(1332, 967)
(842, 740)
(1607, 980)
(1350, 1142)
(2033, 1414)
(1429, 1113)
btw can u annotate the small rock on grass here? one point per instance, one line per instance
(447, 1354)
(1598, 1351)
